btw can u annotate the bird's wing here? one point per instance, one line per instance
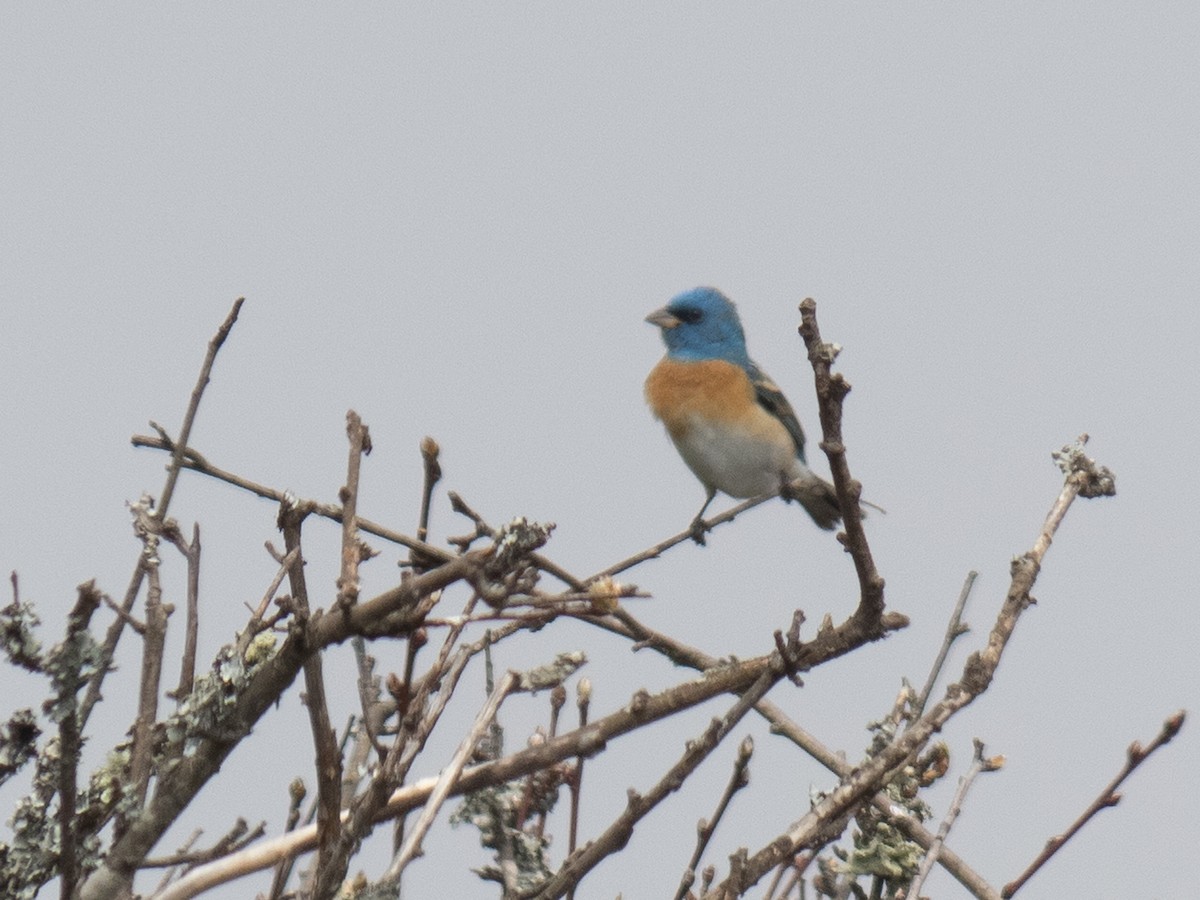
(771, 398)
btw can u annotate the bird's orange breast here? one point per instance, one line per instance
(679, 392)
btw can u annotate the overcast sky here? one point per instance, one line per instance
(453, 219)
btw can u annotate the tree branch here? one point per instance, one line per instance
(1082, 474)
(1135, 756)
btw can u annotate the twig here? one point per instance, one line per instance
(141, 755)
(185, 431)
(583, 701)
(979, 763)
(623, 623)
(183, 848)
(657, 550)
(642, 709)
(352, 551)
(197, 463)
(704, 831)
(832, 389)
(1134, 757)
(1082, 474)
(954, 630)
(330, 871)
(66, 671)
(238, 837)
(617, 835)
(187, 668)
(433, 474)
(113, 636)
(283, 870)
(255, 625)
(450, 775)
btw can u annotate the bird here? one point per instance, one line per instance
(731, 424)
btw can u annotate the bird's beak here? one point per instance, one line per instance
(662, 318)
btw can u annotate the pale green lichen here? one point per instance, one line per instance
(206, 710)
(18, 742)
(494, 812)
(17, 624)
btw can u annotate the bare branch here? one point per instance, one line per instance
(352, 550)
(954, 630)
(976, 677)
(283, 870)
(189, 418)
(979, 763)
(187, 667)
(328, 760)
(433, 474)
(1134, 757)
(237, 838)
(113, 637)
(141, 759)
(450, 775)
(195, 462)
(65, 668)
(737, 780)
(657, 550)
(617, 835)
(832, 389)
(642, 709)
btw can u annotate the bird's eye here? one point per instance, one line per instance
(690, 315)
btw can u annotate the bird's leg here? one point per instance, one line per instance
(788, 490)
(698, 528)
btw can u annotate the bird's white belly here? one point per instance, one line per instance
(736, 461)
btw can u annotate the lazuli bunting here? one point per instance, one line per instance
(730, 423)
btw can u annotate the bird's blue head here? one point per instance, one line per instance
(702, 324)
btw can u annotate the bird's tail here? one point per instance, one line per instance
(818, 498)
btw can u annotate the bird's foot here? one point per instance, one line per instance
(698, 529)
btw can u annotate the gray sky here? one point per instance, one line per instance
(453, 220)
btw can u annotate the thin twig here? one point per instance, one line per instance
(657, 550)
(1134, 757)
(450, 775)
(352, 551)
(239, 837)
(328, 759)
(169, 875)
(954, 630)
(638, 806)
(197, 463)
(70, 731)
(832, 389)
(113, 636)
(189, 418)
(583, 701)
(738, 779)
(141, 755)
(433, 474)
(283, 870)
(1083, 476)
(643, 709)
(979, 763)
(623, 623)
(187, 667)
